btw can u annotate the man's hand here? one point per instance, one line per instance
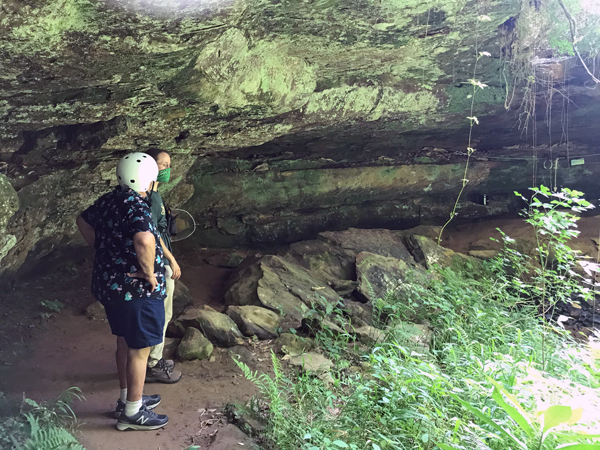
(176, 270)
(149, 278)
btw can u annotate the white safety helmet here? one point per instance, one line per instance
(137, 170)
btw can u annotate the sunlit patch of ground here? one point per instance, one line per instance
(548, 391)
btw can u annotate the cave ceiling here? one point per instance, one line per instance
(232, 85)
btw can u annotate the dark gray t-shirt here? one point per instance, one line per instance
(160, 220)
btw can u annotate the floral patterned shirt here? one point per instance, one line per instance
(116, 217)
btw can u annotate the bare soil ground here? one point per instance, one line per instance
(41, 356)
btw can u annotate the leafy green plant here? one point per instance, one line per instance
(43, 425)
(57, 412)
(53, 305)
(554, 216)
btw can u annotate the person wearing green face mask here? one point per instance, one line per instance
(161, 370)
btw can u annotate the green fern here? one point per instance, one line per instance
(269, 387)
(48, 438)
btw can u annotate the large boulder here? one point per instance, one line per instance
(378, 241)
(328, 260)
(314, 364)
(433, 254)
(279, 285)
(95, 311)
(217, 327)
(255, 321)
(194, 345)
(182, 298)
(9, 204)
(333, 255)
(292, 344)
(359, 313)
(379, 276)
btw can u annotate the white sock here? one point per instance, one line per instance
(123, 395)
(131, 408)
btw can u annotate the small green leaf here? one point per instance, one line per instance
(445, 446)
(376, 447)
(340, 444)
(555, 415)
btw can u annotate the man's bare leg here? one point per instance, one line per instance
(137, 359)
(122, 361)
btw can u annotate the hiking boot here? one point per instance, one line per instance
(162, 373)
(143, 420)
(168, 362)
(150, 401)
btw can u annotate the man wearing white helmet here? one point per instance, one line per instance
(129, 280)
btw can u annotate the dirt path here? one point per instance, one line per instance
(69, 350)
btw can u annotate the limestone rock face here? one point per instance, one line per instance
(359, 312)
(312, 363)
(369, 334)
(255, 321)
(292, 344)
(95, 311)
(182, 298)
(279, 285)
(217, 327)
(379, 276)
(194, 345)
(284, 119)
(379, 242)
(9, 204)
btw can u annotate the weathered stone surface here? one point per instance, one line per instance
(379, 276)
(312, 325)
(483, 254)
(194, 345)
(359, 312)
(292, 344)
(298, 117)
(170, 348)
(379, 242)
(328, 261)
(182, 299)
(255, 321)
(279, 285)
(9, 204)
(312, 363)
(95, 311)
(249, 422)
(435, 254)
(217, 327)
(369, 335)
(242, 354)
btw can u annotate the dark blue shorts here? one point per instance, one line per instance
(140, 321)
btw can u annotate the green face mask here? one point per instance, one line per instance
(164, 175)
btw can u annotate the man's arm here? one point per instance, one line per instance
(171, 259)
(144, 244)
(87, 231)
